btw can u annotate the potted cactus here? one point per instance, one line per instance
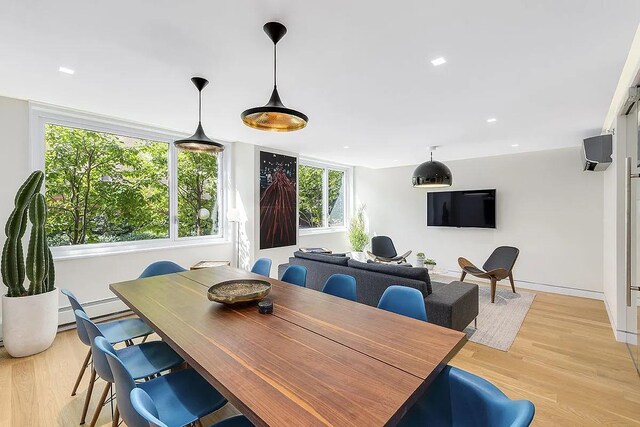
(29, 315)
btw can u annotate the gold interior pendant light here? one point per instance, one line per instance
(274, 116)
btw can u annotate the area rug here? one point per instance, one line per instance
(499, 323)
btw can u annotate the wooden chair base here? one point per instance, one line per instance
(83, 368)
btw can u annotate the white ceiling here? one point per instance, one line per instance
(361, 71)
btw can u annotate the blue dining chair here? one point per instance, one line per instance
(262, 267)
(180, 397)
(115, 331)
(146, 408)
(160, 268)
(405, 301)
(296, 275)
(459, 398)
(143, 361)
(341, 285)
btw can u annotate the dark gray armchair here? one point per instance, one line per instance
(383, 250)
(499, 266)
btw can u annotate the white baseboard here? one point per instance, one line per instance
(542, 287)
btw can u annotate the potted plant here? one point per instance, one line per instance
(430, 263)
(358, 235)
(419, 259)
(29, 315)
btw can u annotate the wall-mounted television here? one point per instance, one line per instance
(472, 208)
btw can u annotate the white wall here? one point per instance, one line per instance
(546, 206)
(89, 277)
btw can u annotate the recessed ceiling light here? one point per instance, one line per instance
(515, 145)
(395, 160)
(492, 120)
(346, 147)
(438, 61)
(66, 70)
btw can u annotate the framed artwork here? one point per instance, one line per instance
(278, 200)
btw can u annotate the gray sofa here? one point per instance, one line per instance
(453, 305)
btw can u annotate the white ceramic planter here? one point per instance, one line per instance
(359, 256)
(29, 324)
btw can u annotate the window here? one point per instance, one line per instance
(114, 185)
(310, 183)
(322, 196)
(104, 188)
(197, 194)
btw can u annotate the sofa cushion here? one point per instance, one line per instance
(421, 274)
(328, 258)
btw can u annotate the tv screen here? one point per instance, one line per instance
(474, 208)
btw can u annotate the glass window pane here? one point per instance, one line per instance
(197, 194)
(102, 187)
(336, 198)
(310, 196)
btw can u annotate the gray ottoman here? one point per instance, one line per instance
(453, 305)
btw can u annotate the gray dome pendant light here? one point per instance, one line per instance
(199, 142)
(432, 174)
(274, 116)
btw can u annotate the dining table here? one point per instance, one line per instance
(316, 360)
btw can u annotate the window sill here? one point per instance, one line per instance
(314, 231)
(63, 253)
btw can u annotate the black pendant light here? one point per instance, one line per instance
(199, 142)
(432, 174)
(274, 116)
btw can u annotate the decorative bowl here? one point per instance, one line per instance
(239, 291)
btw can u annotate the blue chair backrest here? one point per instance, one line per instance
(124, 385)
(144, 406)
(341, 285)
(457, 397)
(99, 359)
(404, 300)
(76, 306)
(262, 267)
(296, 275)
(159, 268)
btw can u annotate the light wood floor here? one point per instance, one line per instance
(564, 359)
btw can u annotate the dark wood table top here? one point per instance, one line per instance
(317, 360)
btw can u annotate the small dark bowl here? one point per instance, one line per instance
(239, 291)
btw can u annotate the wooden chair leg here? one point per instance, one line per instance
(116, 417)
(98, 410)
(463, 275)
(88, 398)
(81, 373)
(513, 286)
(493, 289)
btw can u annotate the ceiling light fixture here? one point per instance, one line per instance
(439, 61)
(515, 145)
(432, 174)
(274, 116)
(199, 141)
(492, 120)
(346, 147)
(66, 70)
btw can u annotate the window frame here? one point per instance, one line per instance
(348, 191)
(42, 114)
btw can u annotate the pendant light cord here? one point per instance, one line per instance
(275, 69)
(199, 106)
